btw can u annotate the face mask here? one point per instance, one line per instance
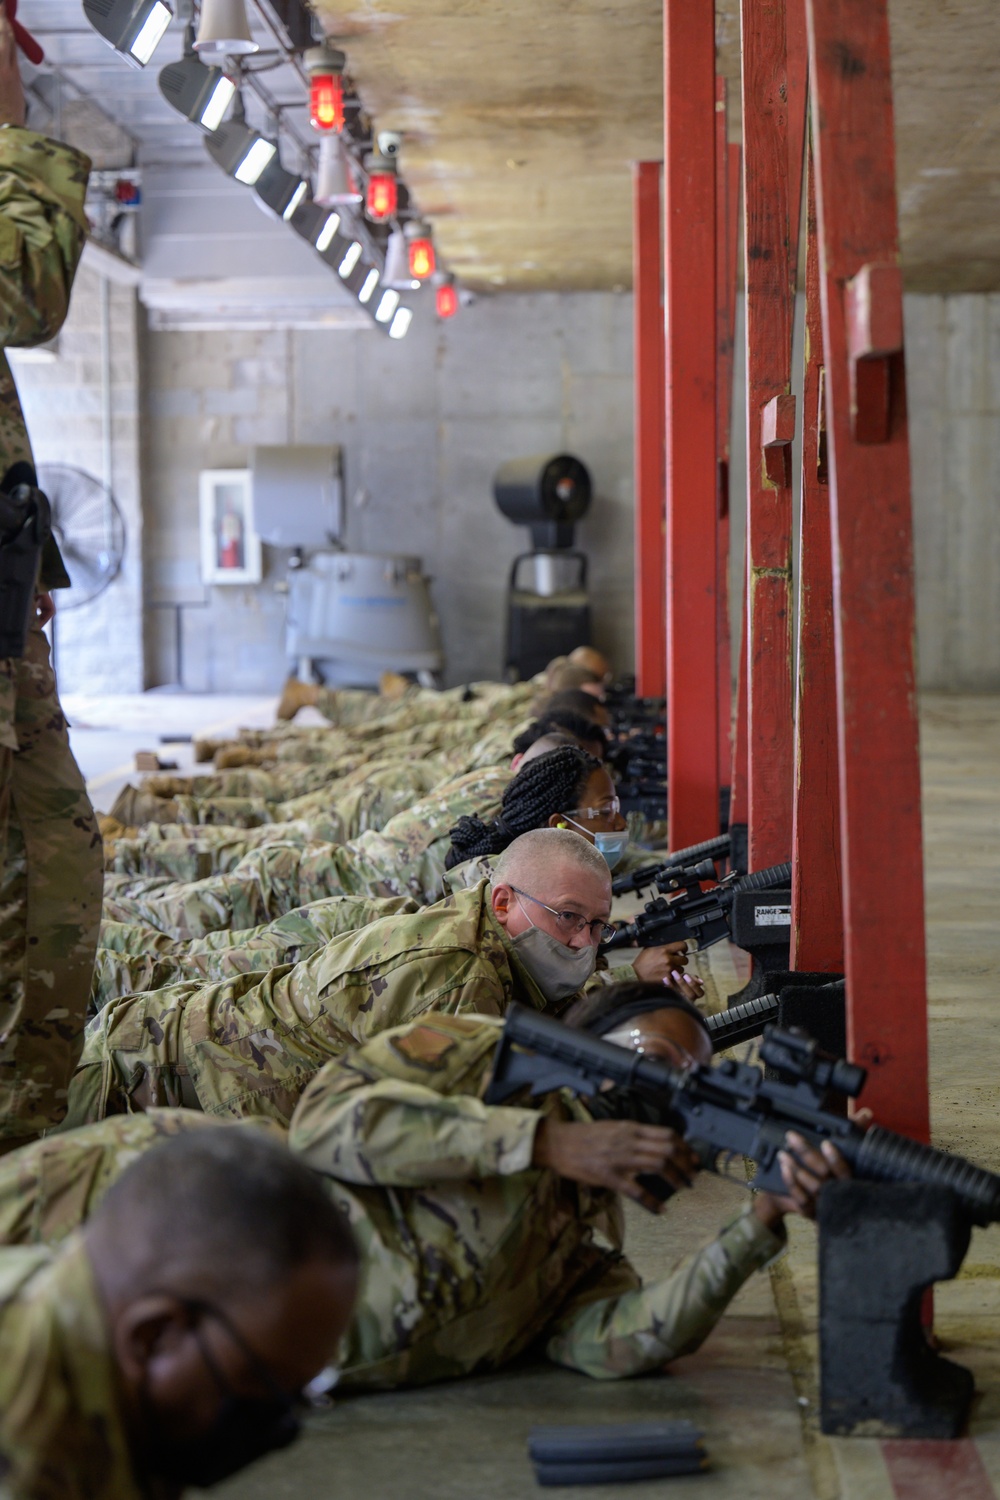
(611, 845)
(557, 970)
(244, 1430)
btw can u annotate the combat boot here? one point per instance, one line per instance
(296, 695)
(231, 757)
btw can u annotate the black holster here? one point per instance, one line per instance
(25, 527)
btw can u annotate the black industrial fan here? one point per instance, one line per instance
(89, 528)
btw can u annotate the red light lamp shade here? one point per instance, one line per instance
(420, 252)
(381, 195)
(326, 102)
(446, 299)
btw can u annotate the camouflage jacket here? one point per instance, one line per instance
(469, 1253)
(250, 1044)
(405, 858)
(42, 232)
(62, 1428)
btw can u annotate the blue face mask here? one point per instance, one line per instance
(612, 846)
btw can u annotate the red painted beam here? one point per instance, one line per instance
(868, 447)
(817, 905)
(727, 188)
(769, 100)
(650, 416)
(689, 297)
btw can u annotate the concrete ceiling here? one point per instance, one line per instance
(520, 122)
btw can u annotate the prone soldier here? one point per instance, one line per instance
(135, 1363)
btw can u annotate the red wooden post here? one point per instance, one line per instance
(727, 188)
(650, 416)
(689, 226)
(770, 260)
(817, 910)
(852, 121)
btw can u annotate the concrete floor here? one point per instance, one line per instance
(752, 1387)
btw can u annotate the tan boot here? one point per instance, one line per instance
(296, 695)
(391, 685)
(166, 786)
(206, 750)
(231, 757)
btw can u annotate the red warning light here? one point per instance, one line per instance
(381, 197)
(326, 102)
(446, 300)
(421, 257)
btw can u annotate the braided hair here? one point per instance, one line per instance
(553, 783)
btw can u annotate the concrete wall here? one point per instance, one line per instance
(953, 388)
(424, 423)
(99, 645)
(953, 383)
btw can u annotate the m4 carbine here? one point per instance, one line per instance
(731, 1109)
(697, 916)
(649, 875)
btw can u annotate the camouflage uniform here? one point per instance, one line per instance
(50, 885)
(405, 858)
(149, 960)
(62, 1424)
(52, 1186)
(249, 1045)
(469, 1254)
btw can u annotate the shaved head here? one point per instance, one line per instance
(543, 745)
(547, 855)
(587, 656)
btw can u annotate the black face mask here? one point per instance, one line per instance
(245, 1428)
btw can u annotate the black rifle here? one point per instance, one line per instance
(741, 1023)
(697, 916)
(731, 1109)
(638, 880)
(25, 527)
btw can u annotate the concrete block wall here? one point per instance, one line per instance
(953, 388)
(424, 424)
(99, 645)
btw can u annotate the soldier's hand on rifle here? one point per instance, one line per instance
(805, 1170)
(665, 965)
(12, 105)
(613, 1153)
(45, 607)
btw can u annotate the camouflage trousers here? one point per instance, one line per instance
(135, 959)
(274, 880)
(50, 902)
(51, 1187)
(338, 812)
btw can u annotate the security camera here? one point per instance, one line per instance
(389, 142)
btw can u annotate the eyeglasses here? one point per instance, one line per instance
(609, 809)
(570, 923)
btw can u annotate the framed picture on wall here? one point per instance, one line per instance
(230, 547)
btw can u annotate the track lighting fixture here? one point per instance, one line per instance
(239, 149)
(201, 93)
(132, 27)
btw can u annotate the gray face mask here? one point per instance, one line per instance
(557, 970)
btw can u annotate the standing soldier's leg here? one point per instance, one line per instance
(50, 907)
